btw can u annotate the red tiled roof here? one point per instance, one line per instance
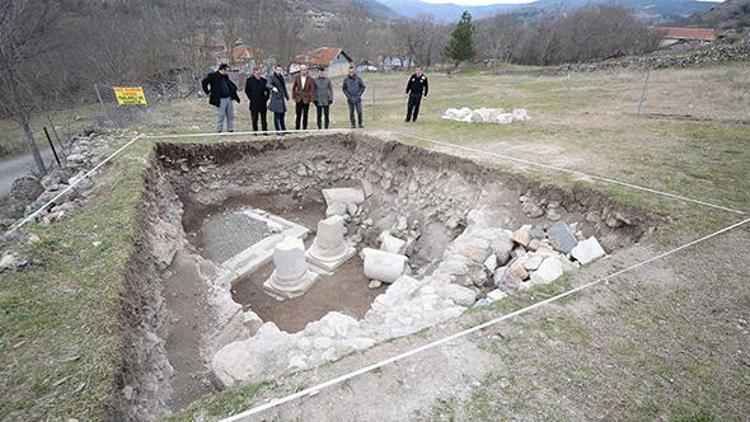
(702, 34)
(320, 57)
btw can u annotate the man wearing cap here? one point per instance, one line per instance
(221, 92)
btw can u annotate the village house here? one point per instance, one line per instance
(334, 59)
(675, 36)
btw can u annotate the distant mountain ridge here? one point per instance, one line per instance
(654, 11)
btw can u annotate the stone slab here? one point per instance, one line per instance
(561, 237)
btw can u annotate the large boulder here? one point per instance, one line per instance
(26, 189)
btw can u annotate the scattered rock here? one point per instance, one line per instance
(533, 262)
(374, 284)
(561, 238)
(587, 251)
(532, 210)
(460, 295)
(490, 264)
(506, 281)
(522, 235)
(550, 270)
(495, 295)
(26, 189)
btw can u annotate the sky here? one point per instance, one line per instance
(486, 2)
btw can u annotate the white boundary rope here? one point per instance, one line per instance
(573, 172)
(30, 217)
(316, 388)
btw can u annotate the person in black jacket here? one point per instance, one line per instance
(221, 91)
(258, 93)
(279, 97)
(415, 89)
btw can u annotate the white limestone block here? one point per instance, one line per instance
(384, 266)
(587, 251)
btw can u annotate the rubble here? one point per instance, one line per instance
(710, 54)
(485, 115)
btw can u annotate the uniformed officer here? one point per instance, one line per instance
(415, 89)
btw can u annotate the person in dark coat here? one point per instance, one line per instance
(258, 93)
(303, 92)
(353, 88)
(279, 97)
(221, 91)
(416, 88)
(323, 98)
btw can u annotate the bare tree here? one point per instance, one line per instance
(26, 36)
(497, 36)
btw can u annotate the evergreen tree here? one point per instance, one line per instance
(461, 45)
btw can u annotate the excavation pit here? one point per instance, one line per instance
(208, 205)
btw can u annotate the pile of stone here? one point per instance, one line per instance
(542, 256)
(29, 193)
(485, 115)
(709, 54)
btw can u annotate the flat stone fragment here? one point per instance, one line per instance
(533, 262)
(460, 295)
(587, 251)
(561, 237)
(550, 270)
(344, 196)
(495, 295)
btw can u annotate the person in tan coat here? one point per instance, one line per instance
(303, 93)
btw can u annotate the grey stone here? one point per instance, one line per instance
(506, 281)
(460, 295)
(26, 189)
(561, 238)
(532, 210)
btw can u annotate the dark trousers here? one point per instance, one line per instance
(323, 111)
(278, 122)
(412, 109)
(352, 107)
(255, 114)
(301, 114)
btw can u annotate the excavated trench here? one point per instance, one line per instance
(195, 316)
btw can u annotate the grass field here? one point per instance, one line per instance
(57, 325)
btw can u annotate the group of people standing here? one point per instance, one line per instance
(271, 94)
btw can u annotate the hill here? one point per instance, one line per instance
(732, 14)
(654, 11)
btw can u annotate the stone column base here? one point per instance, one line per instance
(285, 290)
(329, 264)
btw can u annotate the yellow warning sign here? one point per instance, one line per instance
(132, 95)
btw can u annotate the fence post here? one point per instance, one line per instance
(373, 102)
(643, 92)
(52, 146)
(99, 96)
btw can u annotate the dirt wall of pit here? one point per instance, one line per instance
(407, 182)
(141, 383)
